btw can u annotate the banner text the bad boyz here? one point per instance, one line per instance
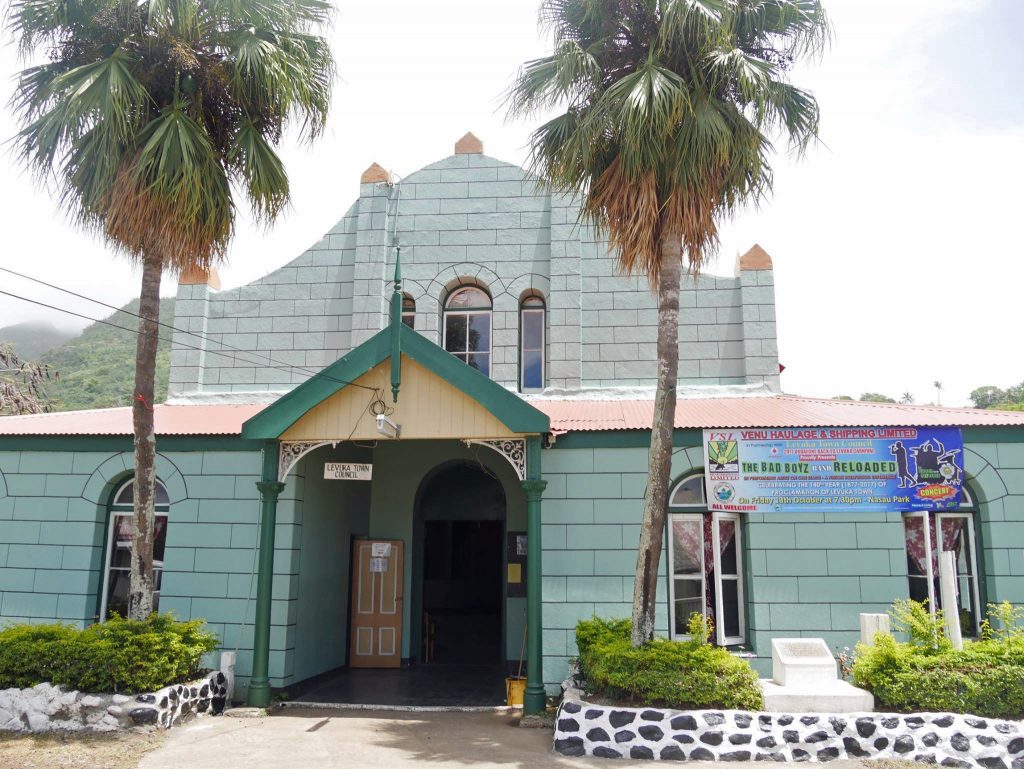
(884, 469)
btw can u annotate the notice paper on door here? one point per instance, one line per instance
(515, 573)
(378, 565)
(380, 549)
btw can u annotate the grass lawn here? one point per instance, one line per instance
(120, 750)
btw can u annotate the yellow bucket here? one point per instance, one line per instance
(514, 688)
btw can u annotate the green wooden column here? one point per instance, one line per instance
(270, 489)
(534, 700)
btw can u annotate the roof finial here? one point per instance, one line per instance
(396, 327)
(469, 145)
(755, 259)
(375, 174)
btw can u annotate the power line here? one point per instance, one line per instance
(204, 337)
(181, 344)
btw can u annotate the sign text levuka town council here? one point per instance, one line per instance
(883, 469)
(347, 471)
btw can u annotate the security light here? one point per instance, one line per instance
(388, 428)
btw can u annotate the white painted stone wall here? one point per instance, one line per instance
(946, 739)
(48, 708)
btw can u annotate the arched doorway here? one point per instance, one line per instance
(461, 511)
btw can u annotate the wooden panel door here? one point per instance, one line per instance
(376, 604)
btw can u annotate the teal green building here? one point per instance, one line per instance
(367, 465)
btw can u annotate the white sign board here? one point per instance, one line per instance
(380, 549)
(802, 662)
(347, 471)
(378, 565)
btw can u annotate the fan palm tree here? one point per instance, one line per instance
(907, 397)
(148, 118)
(666, 111)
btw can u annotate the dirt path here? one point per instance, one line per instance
(122, 750)
(334, 739)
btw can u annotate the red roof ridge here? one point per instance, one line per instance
(72, 412)
(900, 406)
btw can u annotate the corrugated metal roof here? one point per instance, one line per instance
(566, 415)
(773, 411)
(219, 419)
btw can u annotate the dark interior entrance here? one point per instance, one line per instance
(462, 510)
(462, 591)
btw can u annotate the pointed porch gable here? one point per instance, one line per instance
(435, 396)
(441, 397)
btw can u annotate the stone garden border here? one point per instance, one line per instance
(46, 708)
(946, 739)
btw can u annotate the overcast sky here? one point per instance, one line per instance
(897, 255)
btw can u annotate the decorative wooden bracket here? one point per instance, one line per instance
(513, 449)
(293, 451)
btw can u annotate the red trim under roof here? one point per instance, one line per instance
(566, 416)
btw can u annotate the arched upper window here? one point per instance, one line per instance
(689, 492)
(125, 495)
(929, 534)
(705, 561)
(408, 311)
(120, 529)
(531, 343)
(467, 327)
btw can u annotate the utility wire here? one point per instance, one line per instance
(204, 337)
(182, 344)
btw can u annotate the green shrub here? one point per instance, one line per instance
(115, 656)
(926, 673)
(679, 674)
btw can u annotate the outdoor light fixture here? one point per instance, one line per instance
(388, 428)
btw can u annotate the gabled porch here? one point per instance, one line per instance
(420, 491)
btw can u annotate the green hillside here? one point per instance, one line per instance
(32, 339)
(97, 368)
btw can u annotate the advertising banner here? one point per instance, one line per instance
(818, 469)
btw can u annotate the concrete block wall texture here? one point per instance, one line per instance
(813, 575)
(805, 575)
(469, 218)
(810, 574)
(54, 525)
(272, 334)
(996, 471)
(591, 526)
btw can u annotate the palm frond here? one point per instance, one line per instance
(742, 70)
(99, 98)
(151, 112)
(669, 107)
(687, 19)
(266, 181)
(793, 28)
(173, 197)
(794, 110)
(545, 83)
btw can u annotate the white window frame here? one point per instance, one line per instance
(967, 511)
(115, 510)
(468, 311)
(698, 512)
(525, 310)
(409, 314)
(699, 517)
(926, 525)
(717, 518)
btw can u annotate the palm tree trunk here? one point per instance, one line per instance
(645, 586)
(140, 603)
